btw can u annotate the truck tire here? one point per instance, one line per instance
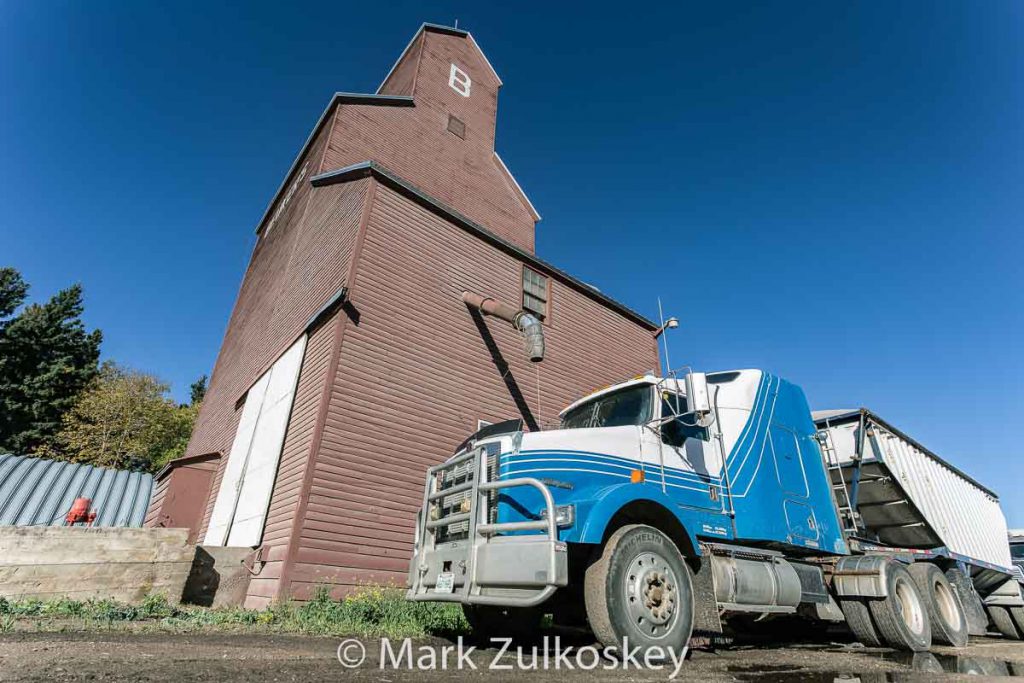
(945, 613)
(926, 662)
(640, 588)
(487, 621)
(1017, 614)
(1003, 621)
(902, 618)
(974, 608)
(858, 619)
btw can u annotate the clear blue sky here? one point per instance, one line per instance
(832, 191)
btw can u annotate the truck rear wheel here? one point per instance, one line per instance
(858, 619)
(1003, 621)
(640, 588)
(901, 618)
(1017, 614)
(945, 613)
(974, 608)
(487, 621)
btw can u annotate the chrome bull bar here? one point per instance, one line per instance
(485, 567)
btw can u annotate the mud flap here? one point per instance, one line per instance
(707, 626)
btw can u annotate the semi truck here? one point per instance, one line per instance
(665, 508)
(1017, 550)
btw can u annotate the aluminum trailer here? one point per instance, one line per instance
(897, 497)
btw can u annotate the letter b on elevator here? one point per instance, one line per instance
(458, 80)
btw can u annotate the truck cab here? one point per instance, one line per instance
(514, 517)
(1016, 537)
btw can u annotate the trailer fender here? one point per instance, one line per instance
(615, 498)
(861, 576)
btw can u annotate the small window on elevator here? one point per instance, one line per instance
(536, 289)
(456, 126)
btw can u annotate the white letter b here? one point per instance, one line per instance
(459, 81)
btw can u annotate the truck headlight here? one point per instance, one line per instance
(565, 515)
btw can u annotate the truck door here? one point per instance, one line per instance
(792, 478)
(691, 464)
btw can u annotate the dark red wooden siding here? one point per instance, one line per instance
(415, 376)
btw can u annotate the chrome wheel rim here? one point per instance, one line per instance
(651, 594)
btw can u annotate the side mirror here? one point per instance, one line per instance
(697, 398)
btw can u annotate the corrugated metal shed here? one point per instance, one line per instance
(39, 492)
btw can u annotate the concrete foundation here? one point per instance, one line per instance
(219, 577)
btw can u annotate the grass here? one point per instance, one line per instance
(370, 611)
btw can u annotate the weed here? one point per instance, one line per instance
(368, 611)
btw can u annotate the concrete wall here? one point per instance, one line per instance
(83, 562)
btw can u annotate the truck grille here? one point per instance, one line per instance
(459, 503)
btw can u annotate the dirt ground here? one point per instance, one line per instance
(121, 656)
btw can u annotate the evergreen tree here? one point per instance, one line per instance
(46, 359)
(13, 290)
(198, 390)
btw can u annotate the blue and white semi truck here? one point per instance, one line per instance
(663, 508)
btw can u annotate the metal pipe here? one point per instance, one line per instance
(531, 328)
(491, 306)
(445, 521)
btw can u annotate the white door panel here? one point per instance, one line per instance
(227, 496)
(246, 514)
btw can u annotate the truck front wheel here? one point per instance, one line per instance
(640, 588)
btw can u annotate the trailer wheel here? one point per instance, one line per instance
(640, 588)
(945, 613)
(858, 619)
(1003, 621)
(1017, 614)
(926, 662)
(902, 618)
(974, 608)
(487, 621)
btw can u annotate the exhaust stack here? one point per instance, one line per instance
(527, 324)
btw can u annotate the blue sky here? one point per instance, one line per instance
(831, 191)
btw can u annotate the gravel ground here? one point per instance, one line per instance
(126, 656)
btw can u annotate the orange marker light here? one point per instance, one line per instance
(636, 476)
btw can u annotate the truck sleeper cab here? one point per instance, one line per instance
(658, 507)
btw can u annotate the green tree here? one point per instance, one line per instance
(13, 290)
(125, 419)
(198, 390)
(46, 359)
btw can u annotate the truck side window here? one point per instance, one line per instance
(673, 433)
(676, 432)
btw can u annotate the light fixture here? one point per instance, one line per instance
(670, 324)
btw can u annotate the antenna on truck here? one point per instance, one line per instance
(669, 324)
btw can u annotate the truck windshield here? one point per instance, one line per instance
(1017, 551)
(629, 406)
